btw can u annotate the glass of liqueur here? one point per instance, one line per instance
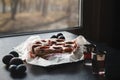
(88, 54)
(98, 63)
(101, 62)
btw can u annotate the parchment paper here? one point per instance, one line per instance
(23, 50)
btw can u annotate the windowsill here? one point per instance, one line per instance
(7, 43)
(75, 30)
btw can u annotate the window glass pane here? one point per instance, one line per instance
(38, 15)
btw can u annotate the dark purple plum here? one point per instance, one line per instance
(53, 36)
(61, 37)
(12, 68)
(59, 34)
(16, 61)
(14, 53)
(21, 68)
(6, 59)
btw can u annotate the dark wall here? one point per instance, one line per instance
(116, 30)
(100, 21)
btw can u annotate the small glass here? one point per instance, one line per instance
(101, 62)
(88, 54)
(98, 63)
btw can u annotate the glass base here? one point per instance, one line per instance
(101, 72)
(87, 62)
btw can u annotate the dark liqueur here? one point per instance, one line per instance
(98, 63)
(101, 62)
(88, 54)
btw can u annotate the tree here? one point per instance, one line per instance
(23, 5)
(38, 5)
(4, 6)
(69, 12)
(45, 7)
(20, 6)
(14, 4)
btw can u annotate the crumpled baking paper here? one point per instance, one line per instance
(23, 50)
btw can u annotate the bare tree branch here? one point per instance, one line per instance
(45, 7)
(14, 4)
(4, 6)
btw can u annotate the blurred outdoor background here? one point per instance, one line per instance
(36, 15)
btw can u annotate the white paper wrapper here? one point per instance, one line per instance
(23, 50)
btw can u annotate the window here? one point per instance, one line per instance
(18, 16)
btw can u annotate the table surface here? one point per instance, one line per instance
(70, 71)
